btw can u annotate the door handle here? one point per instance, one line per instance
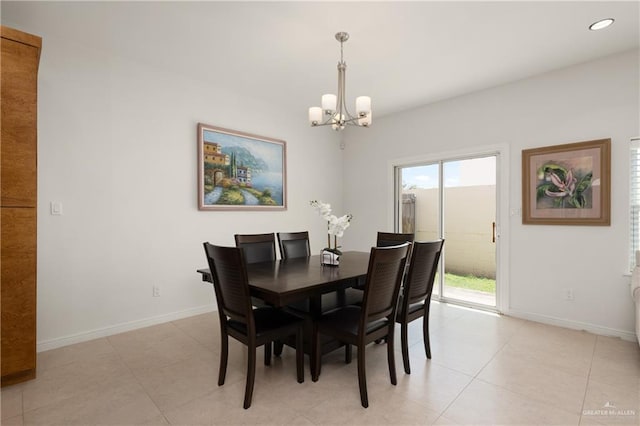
(493, 232)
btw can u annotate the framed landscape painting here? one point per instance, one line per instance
(240, 171)
(567, 184)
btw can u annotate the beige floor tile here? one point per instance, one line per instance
(430, 384)
(623, 373)
(553, 356)
(159, 420)
(224, 407)
(463, 354)
(536, 381)
(123, 403)
(443, 421)
(525, 373)
(178, 383)
(11, 401)
(72, 380)
(157, 346)
(302, 421)
(72, 353)
(442, 313)
(616, 349)
(384, 409)
(204, 328)
(607, 404)
(13, 421)
(147, 337)
(557, 339)
(486, 404)
(486, 324)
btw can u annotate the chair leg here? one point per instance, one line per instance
(347, 354)
(391, 356)
(267, 353)
(300, 355)
(251, 375)
(425, 335)
(405, 346)
(277, 347)
(315, 354)
(224, 356)
(362, 377)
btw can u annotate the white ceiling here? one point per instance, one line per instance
(401, 54)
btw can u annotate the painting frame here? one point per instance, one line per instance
(575, 200)
(240, 171)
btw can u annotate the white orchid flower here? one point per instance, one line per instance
(323, 209)
(337, 225)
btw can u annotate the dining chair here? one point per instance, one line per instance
(257, 247)
(416, 294)
(375, 319)
(386, 239)
(293, 244)
(238, 319)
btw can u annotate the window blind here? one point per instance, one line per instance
(634, 199)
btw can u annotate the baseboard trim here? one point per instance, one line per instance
(575, 325)
(121, 328)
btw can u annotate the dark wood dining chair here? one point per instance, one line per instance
(375, 319)
(386, 239)
(416, 294)
(294, 244)
(238, 319)
(257, 247)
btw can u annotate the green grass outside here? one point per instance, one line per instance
(470, 282)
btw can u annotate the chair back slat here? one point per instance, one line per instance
(422, 269)
(257, 247)
(384, 277)
(294, 244)
(230, 281)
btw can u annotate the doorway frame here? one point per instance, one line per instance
(503, 210)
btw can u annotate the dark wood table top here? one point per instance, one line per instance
(284, 282)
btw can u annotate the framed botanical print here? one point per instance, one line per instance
(567, 184)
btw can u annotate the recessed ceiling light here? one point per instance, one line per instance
(603, 23)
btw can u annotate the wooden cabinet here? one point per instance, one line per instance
(18, 103)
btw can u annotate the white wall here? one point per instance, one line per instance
(591, 101)
(117, 147)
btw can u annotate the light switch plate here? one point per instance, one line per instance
(56, 208)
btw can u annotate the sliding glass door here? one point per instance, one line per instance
(455, 199)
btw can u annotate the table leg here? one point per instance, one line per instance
(315, 308)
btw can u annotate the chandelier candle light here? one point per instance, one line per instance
(336, 227)
(335, 108)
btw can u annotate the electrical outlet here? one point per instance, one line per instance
(156, 291)
(568, 294)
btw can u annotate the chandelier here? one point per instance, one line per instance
(334, 107)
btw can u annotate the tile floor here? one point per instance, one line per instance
(486, 369)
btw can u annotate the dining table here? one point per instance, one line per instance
(303, 282)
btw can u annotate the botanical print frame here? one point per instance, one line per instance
(567, 184)
(240, 171)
